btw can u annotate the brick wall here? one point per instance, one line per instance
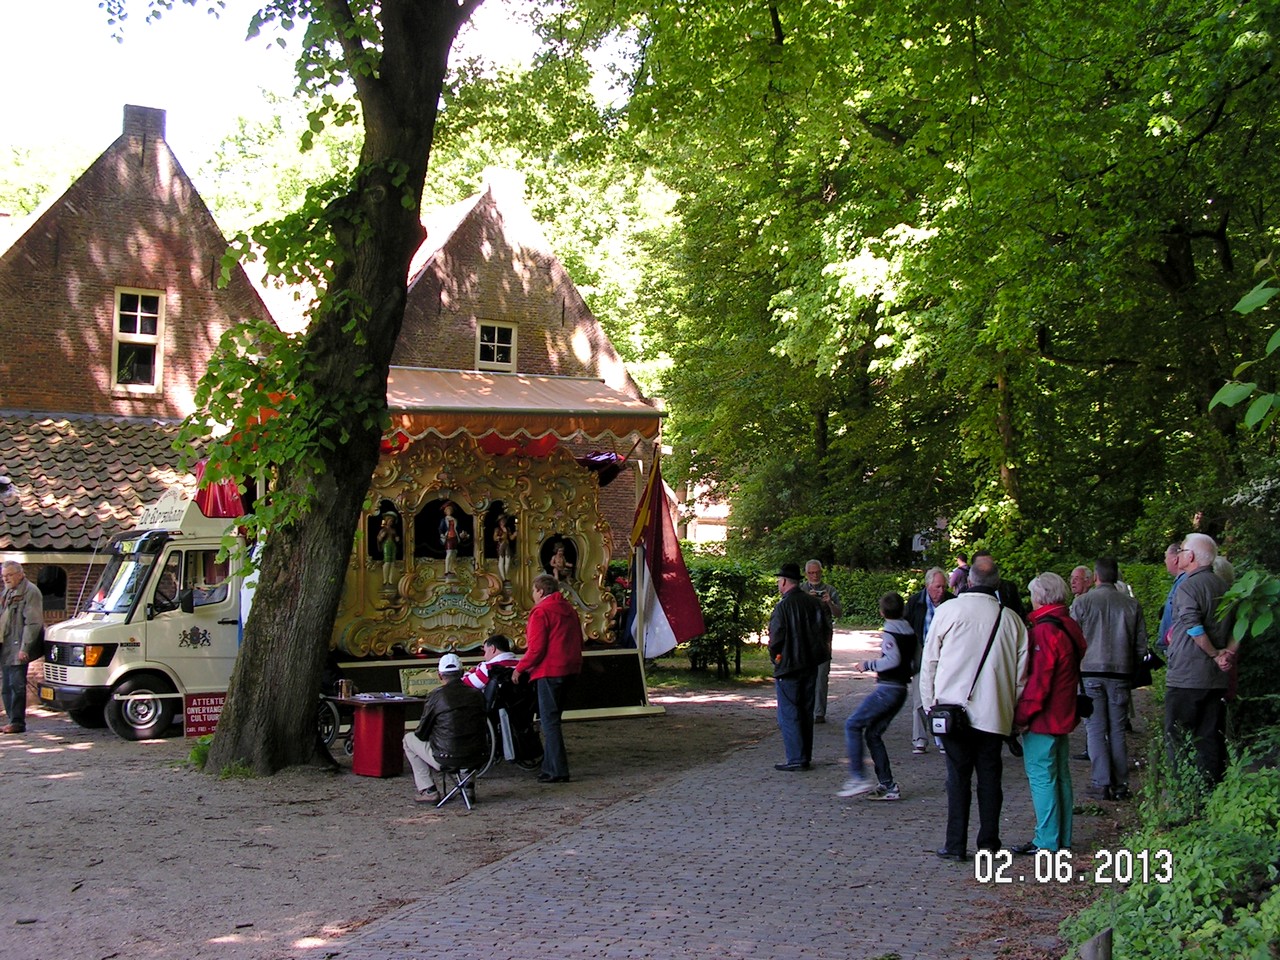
(132, 220)
(495, 267)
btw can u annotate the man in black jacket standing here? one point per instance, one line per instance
(797, 646)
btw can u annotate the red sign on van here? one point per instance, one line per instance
(200, 712)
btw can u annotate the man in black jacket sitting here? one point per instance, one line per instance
(451, 734)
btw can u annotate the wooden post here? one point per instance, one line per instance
(1097, 948)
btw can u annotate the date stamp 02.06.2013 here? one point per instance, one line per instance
(1058, 866)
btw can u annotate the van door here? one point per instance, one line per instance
(201, 646)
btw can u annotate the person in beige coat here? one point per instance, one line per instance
(953, 671)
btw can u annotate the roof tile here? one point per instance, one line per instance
(73, 480)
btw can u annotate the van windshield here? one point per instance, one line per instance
(125, 575)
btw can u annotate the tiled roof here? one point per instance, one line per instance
(74, 480)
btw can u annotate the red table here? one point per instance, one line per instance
(377, 733)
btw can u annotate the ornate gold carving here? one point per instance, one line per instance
(551, 497)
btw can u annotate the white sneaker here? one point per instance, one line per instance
(889, 792)
(853, 787)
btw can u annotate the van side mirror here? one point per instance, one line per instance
(187, 601)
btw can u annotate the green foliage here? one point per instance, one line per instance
(971, 263)
(860, 591)
(1252, 601)
(199, 753)
(1223, 899)
(239, 770)
(1150, 583)
(1264, 404)
(259, 172)
(735, 607)
(257, 395)
(30, 175)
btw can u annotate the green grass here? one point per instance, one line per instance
(673, 673)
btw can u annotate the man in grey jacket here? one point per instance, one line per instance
(21, 627)
(1197, 673)
(1116, 638)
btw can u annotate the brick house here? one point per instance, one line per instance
(109, 309)
(111, 299)
(487, 294)
(505, 397)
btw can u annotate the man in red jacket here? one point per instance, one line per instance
(553, 657)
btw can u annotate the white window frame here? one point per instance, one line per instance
(120, 338)
(496, 325)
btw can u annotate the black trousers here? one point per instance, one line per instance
(1201, 714)
(974, 751)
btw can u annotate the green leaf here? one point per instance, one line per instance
(1263, 621)
(1256, 298)
(1274, 342)
(1259, 409)
(1232, 393)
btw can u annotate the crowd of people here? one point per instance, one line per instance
(981, 674)
(453, 733)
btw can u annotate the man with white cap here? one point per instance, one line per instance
(450, 734)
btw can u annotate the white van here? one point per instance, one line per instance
(160, 633)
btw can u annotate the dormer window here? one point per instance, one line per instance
(139, 325)
(495, 346)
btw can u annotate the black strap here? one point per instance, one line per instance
(985, 653)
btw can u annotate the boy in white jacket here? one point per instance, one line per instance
(864, 730)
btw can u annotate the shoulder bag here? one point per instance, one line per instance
(950, 719)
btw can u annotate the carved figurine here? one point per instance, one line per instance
(388, 541)
(505, 539)
(450, 535)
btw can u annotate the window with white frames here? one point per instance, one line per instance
(139, 326)
(495, 345)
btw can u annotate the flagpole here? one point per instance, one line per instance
(640, 564)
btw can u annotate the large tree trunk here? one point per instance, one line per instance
(269, 719)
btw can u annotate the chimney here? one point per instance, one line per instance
(145, 122)
(506, 186)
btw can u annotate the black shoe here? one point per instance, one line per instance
(1025, 849)
(819, 719)
(790, 767)
(1014, 745)
(1081, 756)
(946, 855)
(1120, 793)
(548, 778)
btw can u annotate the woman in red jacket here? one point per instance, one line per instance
(1046, 711)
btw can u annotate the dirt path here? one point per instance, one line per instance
(120, 850)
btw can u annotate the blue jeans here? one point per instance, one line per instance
(1047, 759)
(551, 697)
(1108, 751)
(970, 752)
(15, 693)
(868, 723)
(795, 693)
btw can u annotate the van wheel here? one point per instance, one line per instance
(145, 717)
(91, 718)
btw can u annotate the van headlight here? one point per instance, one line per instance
(83, 654)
